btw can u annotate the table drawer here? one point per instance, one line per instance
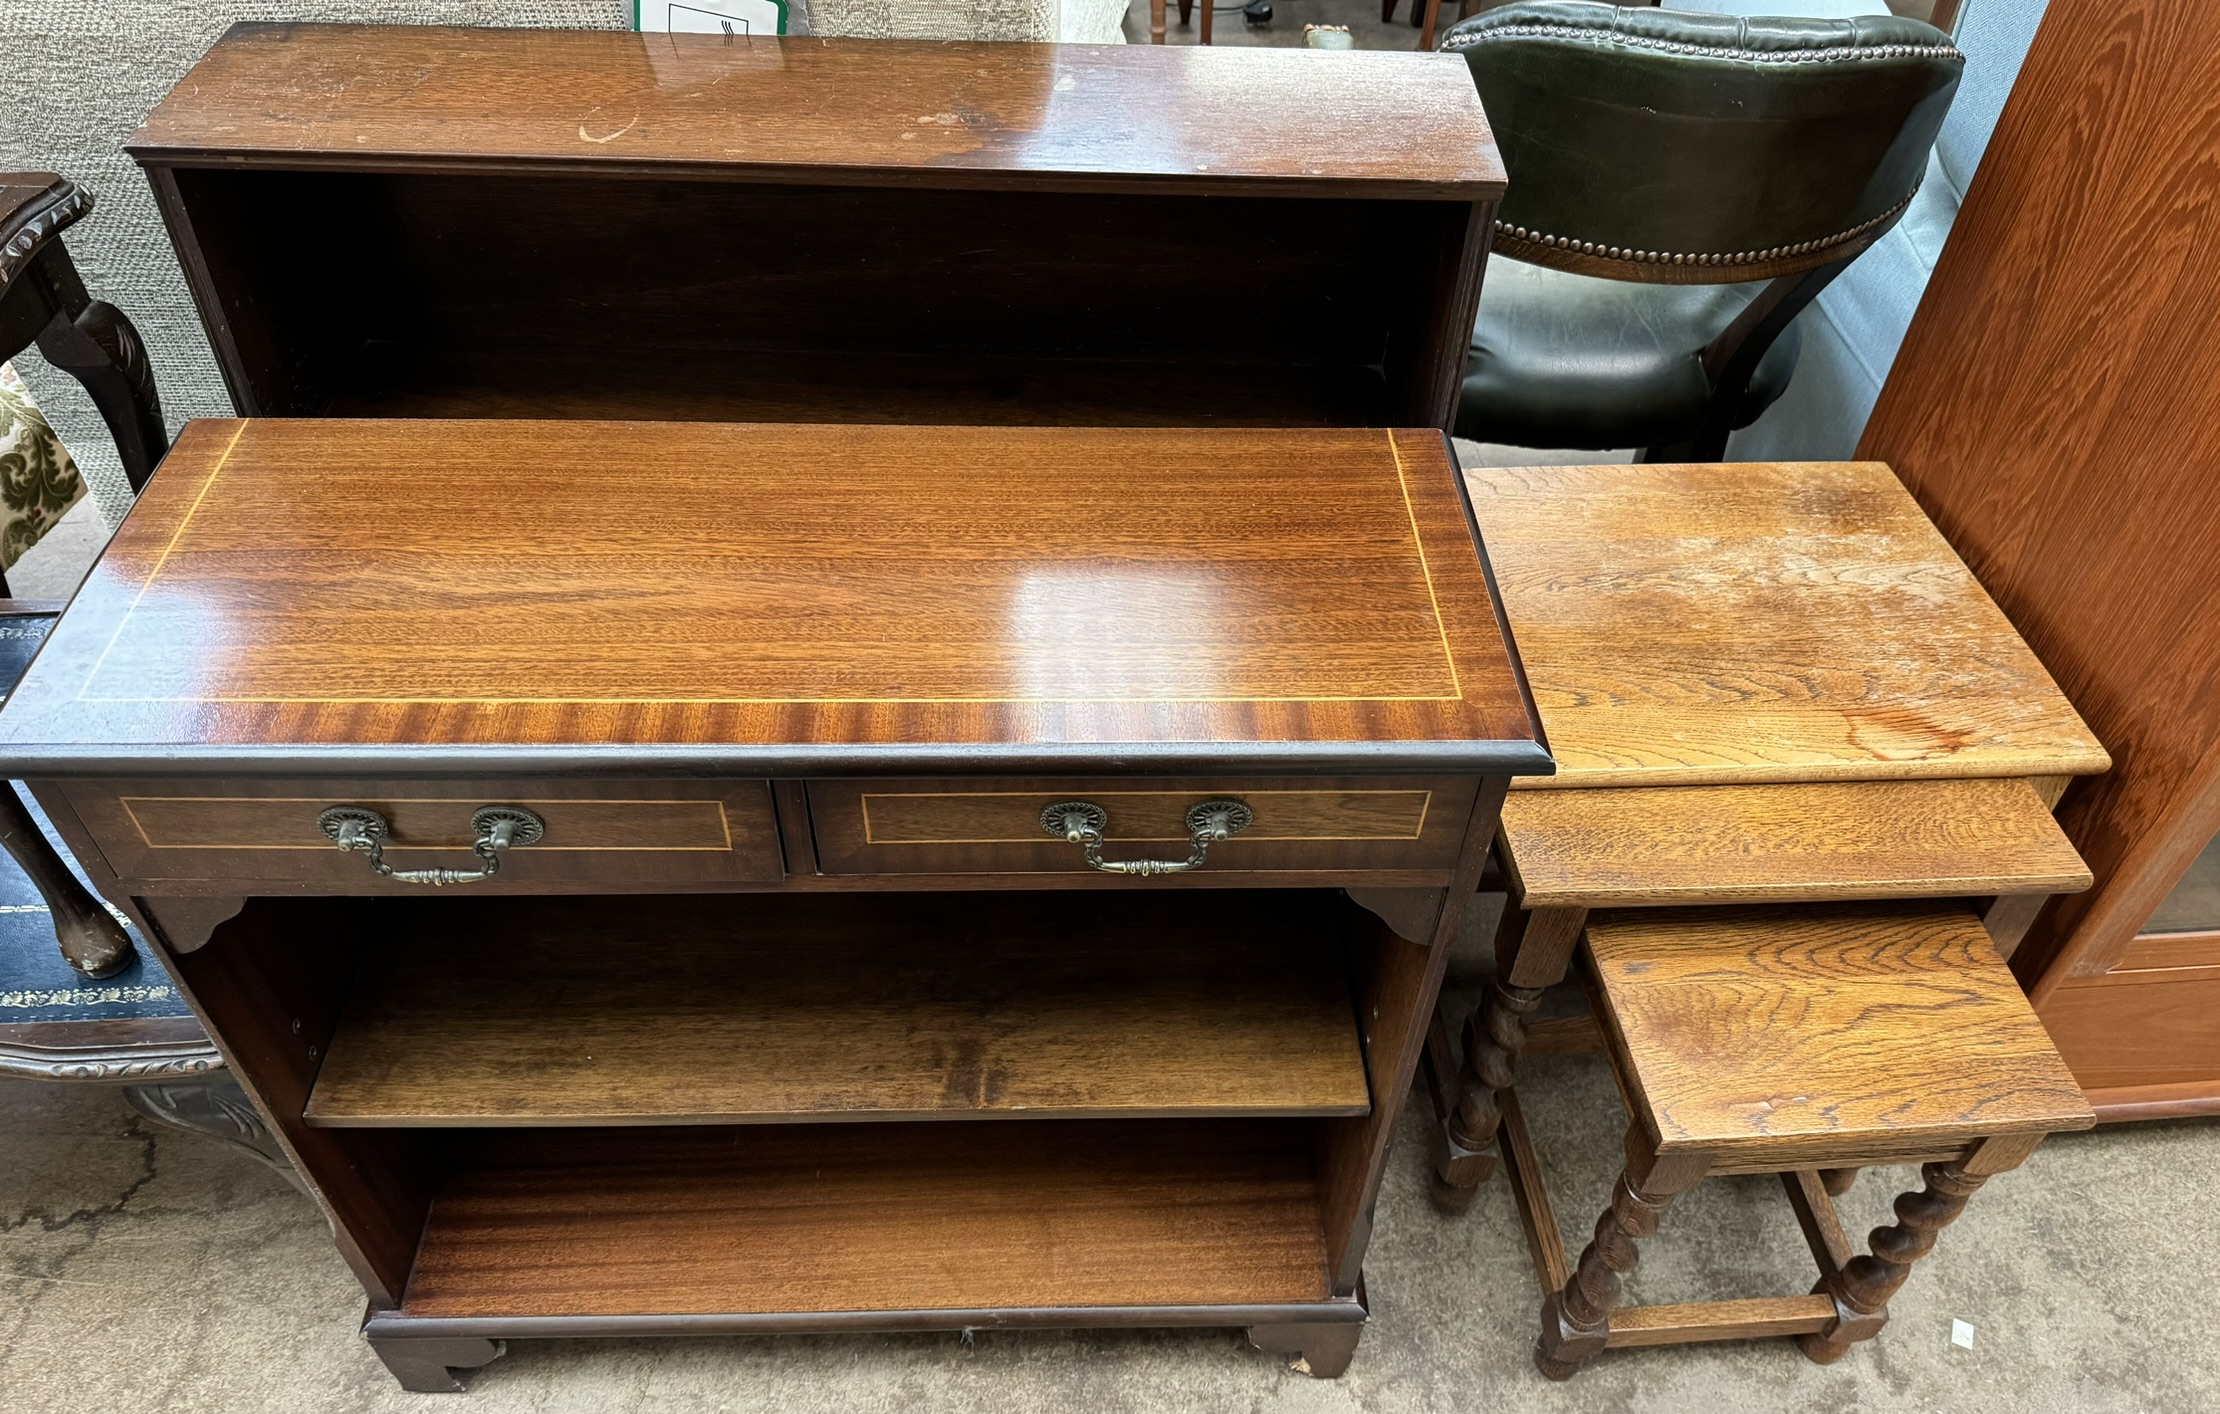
(598, 832)
(1305, 824)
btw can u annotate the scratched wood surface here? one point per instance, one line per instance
(1407, 124)
(1784, 843)
(305, 589)
(1755, 622)
(1750, 1029)
(880, 1007)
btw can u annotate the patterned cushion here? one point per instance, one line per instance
(38, 481)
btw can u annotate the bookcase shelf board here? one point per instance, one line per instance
(723, 1010)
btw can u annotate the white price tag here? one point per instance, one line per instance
(730, 17)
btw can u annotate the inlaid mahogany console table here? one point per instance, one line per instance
(1118, 791)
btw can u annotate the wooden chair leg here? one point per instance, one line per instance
(1156, 21)
(1387, 11)
(1186, 11)
(1208, 9)
(91, 341)
(1433, 21)
(91, 940)
(1576, 1320)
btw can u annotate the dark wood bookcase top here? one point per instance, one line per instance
(462, 222)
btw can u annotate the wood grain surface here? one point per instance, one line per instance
(602, 831)
(876, 1218)
(2147, 1023)
(780, 596)
(596, 295)
(1757, 622)
(1772, 1030)
(270, 993)
(287, 94)
(2050, 409)
(954, 826)
(718, 1011)
(1785, 843)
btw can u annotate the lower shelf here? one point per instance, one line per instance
(1023, 1219)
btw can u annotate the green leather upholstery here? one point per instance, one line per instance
(1563, 360)
(1682, 154)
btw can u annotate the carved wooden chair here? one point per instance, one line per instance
(43, 301)
(134, 1029)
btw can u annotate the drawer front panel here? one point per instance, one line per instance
(1362, 824)
(597, 832)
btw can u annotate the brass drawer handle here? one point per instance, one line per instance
(498, 827)
(1082, 822)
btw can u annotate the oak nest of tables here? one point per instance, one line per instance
(1801, 815)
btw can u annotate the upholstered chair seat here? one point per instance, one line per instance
(1681, 186)
(1565, 360)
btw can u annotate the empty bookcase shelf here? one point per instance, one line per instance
(815, 1219)
(731, 1009)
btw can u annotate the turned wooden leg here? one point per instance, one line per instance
(1862, 1289)
(1494, 1037)
(92, 941)
(1576, 1321)
(1837, 1181)
(1156, 21)
(435, 1366)
(1322, 1350)
(1533, 951)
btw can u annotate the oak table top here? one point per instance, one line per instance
(1759, 623)
(302, 595)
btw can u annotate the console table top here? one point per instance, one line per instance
(299, 595)
(918, 113)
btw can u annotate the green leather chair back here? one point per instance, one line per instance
(1683, 148)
